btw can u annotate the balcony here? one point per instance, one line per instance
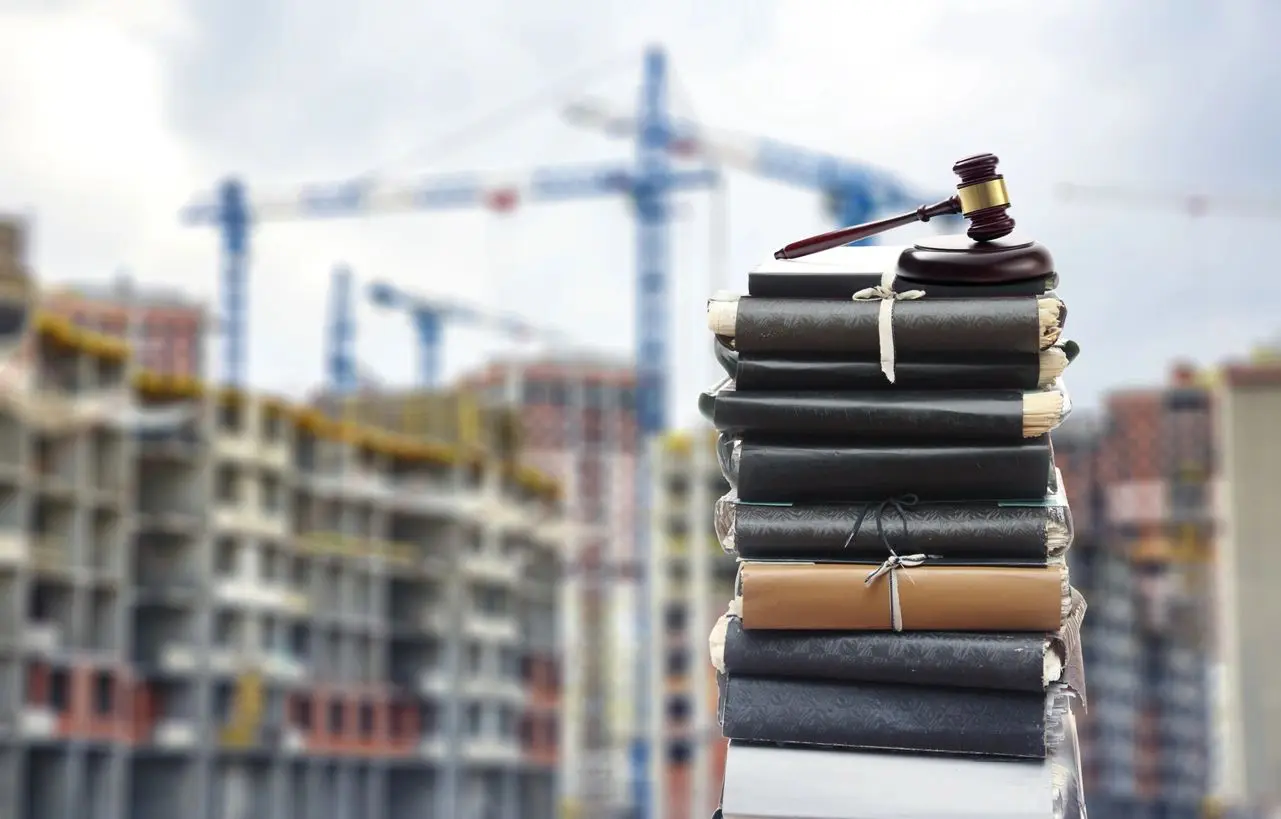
(420, 494)
(353, 483)
(554, 529)
(495, 687)
(253, 592)
(506, 514)
(42, 637)
(284, 667)
(495, 629)
(174, 733)
(53, 409)
(337, 544)
(431, 747)
(52, 553)
(236, 447)
(491, 750)
(275, 453)
(487, 566)
(38, 722)
(433, 682)
(250, 519)
(14, 546)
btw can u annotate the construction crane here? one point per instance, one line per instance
(340, 340)
(430, 314)
(649, 181)
(854, 192)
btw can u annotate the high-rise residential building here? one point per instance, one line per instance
(1248, 605)
(579, 425)
(167, 329)
(1170, 491)
(222, 606)
(697, 583)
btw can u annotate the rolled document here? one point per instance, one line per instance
(994, 661)
(828, 371)
(769, 469)
(997, 530)
(951, 415)
(924, 326)
(922, 719)
(913, 593)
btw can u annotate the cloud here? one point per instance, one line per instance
(182, 94)
(87, 148)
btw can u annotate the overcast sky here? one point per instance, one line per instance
(116, 112)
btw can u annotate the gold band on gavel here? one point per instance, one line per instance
(990, 194)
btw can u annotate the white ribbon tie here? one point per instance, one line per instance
(890, 567)
(885, 316)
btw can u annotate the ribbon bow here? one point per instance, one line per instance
(895, 561)
(885, 320)
(890, 567)
(900, 504)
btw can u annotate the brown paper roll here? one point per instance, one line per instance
(834, 597)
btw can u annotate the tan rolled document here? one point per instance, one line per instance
(845, 597)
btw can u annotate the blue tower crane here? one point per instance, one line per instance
(854, 192)
(650, 182)
(429, 316)
(340, 340)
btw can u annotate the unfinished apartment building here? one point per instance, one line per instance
(214, 606)
(695, 586)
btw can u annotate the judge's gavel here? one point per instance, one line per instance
(981, 198)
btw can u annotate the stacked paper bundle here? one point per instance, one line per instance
(900, 529)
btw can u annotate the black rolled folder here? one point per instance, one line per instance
(996, 530)
(970, 326)
(954, 415)
(1025, 661)
(766, 470)
(1022, 724)
(913, 371)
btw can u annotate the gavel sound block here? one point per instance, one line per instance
(986, 254)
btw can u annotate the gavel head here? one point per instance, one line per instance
(984, 199)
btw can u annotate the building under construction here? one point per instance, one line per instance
(698, 582)
(1171, 492)
(579, 424)
(219, 606)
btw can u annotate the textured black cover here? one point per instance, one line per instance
(829, 371)
(950, 529)
(885, 716)
(771, 471)
(993, 416)
(949, 326)
(840, 284)
(999, 662)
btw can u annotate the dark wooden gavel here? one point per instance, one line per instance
(981, 197)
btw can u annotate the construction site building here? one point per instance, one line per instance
(579, 426)
(1171, 494)
(218, 606)
(1247, 604)
(698, 583)
(165, 328)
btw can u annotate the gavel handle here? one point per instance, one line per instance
(857, 233)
